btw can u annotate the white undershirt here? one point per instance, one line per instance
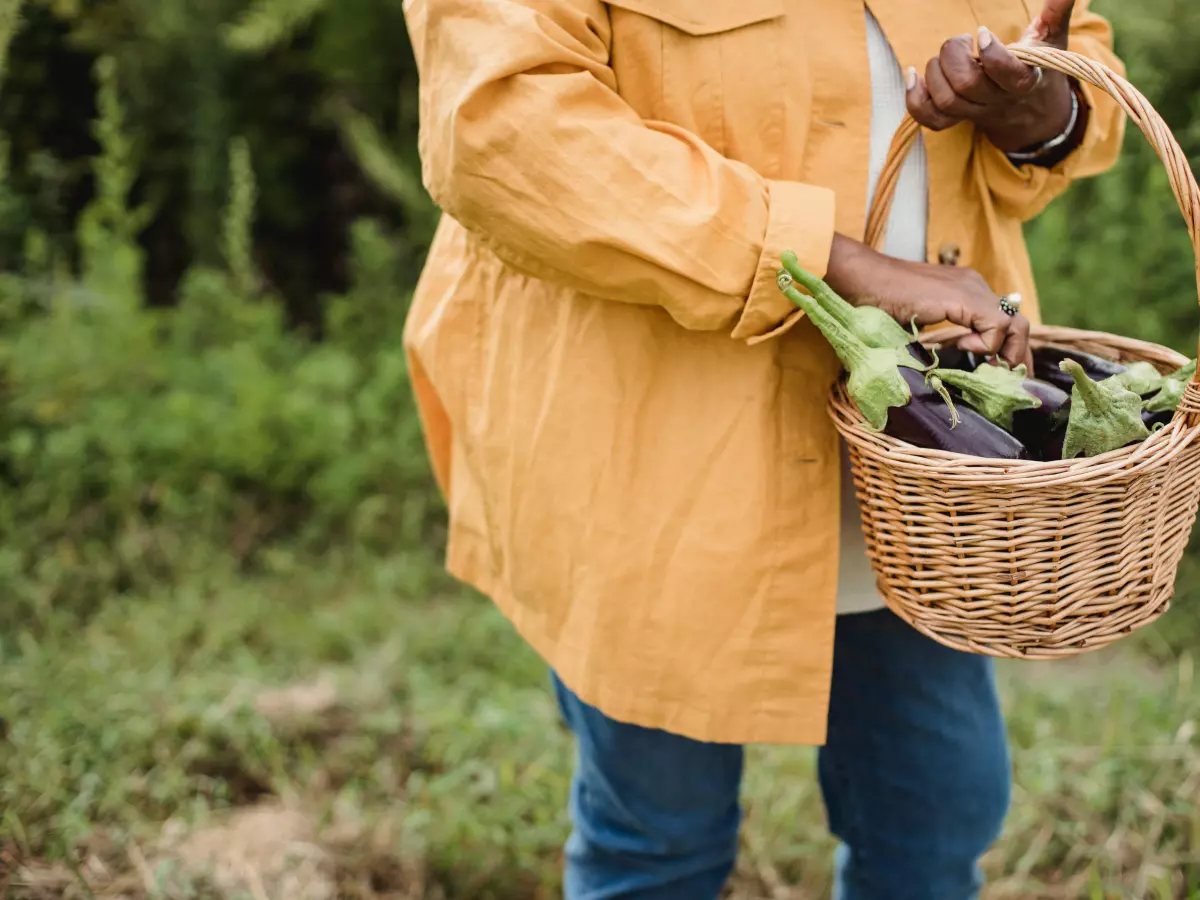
(905, 239)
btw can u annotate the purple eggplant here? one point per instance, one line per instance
(949, 357)
(1028, 408)
(921, 354)
(1043, 428)
(894, 390)
(1047, 366)
(1160, 395)
(1153, 420)
(1053, 447)
(932, 420)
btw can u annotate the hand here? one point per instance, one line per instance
(1008, 101)
(930, 295)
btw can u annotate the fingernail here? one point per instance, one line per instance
(985, 37)
(910, 79)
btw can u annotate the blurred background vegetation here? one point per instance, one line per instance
(224, 622)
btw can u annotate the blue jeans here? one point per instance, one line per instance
(915, 776)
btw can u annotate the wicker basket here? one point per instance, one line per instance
(1029, 559)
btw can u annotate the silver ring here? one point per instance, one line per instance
(1038, 75)
(1010, 304)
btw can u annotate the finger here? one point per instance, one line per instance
(988, 330)
(1001, 67)
(992, 333)
(943, 95)
(973, 343)
(920, 105)
(1015, 349)
(990, 322)
(965, 75)
(1053, 24)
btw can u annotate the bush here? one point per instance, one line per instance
(308, 85)
(138, 439)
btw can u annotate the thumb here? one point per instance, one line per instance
(1052, 25)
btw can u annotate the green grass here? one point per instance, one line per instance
(412, 740)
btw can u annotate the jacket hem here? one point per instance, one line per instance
(468, 560)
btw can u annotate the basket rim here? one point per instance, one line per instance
(1123, 463)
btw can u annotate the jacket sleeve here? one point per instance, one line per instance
(526, 143)
(1024, 191)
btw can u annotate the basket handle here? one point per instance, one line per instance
(1137, 107)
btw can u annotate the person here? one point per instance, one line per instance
(627, 419)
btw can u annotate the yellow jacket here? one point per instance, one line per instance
(626, 417)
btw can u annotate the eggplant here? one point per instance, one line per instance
(1043, 428)
(1047, 366)
(869, 324)
(875, 383)
(995, 391)
(1104, 415)
(922, 354)
(1171, 391)
(895, 392)
(932, 420)
(1142, 378)
(1156, 420)
(1053, 446)
(954, 358)
(1027, 408)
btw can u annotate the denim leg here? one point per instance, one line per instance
(655, 816)
(915, 772)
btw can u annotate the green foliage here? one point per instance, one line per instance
(1114, 254)
(212, 423)
(108, 230)
(417, 732)
(269, 23)
(136, 435)
(10, 17)
(238, 233)
(196, 77)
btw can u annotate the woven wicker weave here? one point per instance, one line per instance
(1030, 559)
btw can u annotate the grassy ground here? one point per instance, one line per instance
(369, 731)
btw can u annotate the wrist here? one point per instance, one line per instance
(1050, 153)
(1046, 116)
(855, 270)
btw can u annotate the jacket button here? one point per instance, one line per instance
(948, 254)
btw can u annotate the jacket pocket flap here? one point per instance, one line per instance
(703, 17)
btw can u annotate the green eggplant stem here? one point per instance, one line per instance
(872, 326)
(995, 391)
(1141, 378)
(1105, 415)
(940, 386)
(1089, 392)
(850, 350)
(837, 307)
(874, 383)
(1171, 392)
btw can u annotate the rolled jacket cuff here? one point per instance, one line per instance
(800, 219)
